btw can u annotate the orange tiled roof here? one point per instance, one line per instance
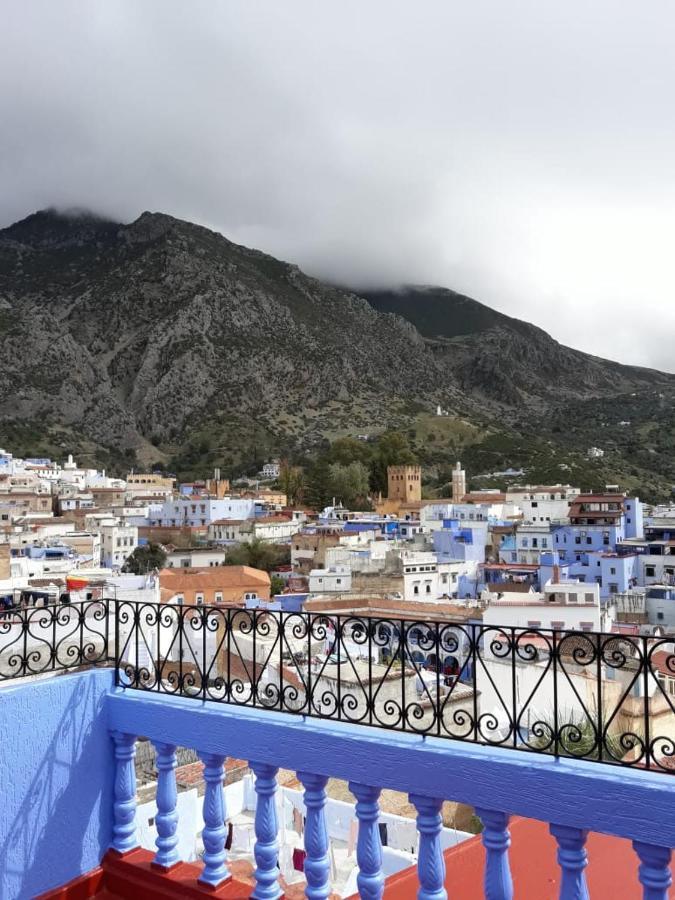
(205, 577)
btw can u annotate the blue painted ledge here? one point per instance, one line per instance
(614, 800)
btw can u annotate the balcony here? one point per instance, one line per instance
(528, 728)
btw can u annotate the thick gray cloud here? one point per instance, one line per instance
(521, 152)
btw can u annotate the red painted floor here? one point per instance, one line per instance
(612, 867)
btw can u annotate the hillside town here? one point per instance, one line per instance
(440, 611)
(548, 556)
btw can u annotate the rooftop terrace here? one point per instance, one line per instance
(572, 731)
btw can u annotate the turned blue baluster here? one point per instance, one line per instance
(124, 810)
(370, 879)
(167, 815)
(572, 859)
(266, 845)
(654, 870)
(213, 836)
(430, 862)
(496, 840)
(317, 864)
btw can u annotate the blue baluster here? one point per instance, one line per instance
(213, 836)
(572, 859)
(430, 862)
(496, 840)
(370, 879)
(317, 864)
(124, 810)
(266, 845)
(654, 870)
(167, 816)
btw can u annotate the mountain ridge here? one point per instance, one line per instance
(159, 334)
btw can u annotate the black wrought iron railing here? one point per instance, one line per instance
(35, 640)
(603, 697)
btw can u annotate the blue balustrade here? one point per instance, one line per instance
(496, 840)
(124, 810)
(214, 834)
(572, 859)
(167, 815)
(370, 879)
(654, 871)
(496, 781)
(430, 862)
(266, 846)
(317, 864)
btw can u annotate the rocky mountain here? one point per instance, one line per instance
(162, 337)
(506, 359)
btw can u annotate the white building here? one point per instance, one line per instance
(424, 578)
(543, 504)
(195, 558)
(274, 529)
(270, 470)
(118, 542)
(335, 580)
(194, 512)
(562, 606)
(531, 540)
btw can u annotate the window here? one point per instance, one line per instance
(650, 571)
(199, 598)
(544, 543)
(572, 598)
(586, 626)
(589, 540)
(535, 542)
(416, 589)
(589, 598)
(613, 588)
(534, 623)
(534, 503)
(612, 571)
(428, 588)
(660, 616)
(577, 540)
(219, 597)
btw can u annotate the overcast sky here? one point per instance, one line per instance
(520, 152)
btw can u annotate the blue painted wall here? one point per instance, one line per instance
(56, 773)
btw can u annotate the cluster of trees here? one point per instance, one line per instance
(258, 555)
(145, 559)
(349, 470)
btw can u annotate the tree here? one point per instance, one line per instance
(278, 585)
(317, 484)
(258, 555)
(145, 559)
(349, 483)
(291, 482)
(347, 450)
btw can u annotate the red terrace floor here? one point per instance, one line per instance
(612, 867)
(132, 877)
(611, 872)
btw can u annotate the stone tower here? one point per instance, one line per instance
(404, 483)
(458, 483)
